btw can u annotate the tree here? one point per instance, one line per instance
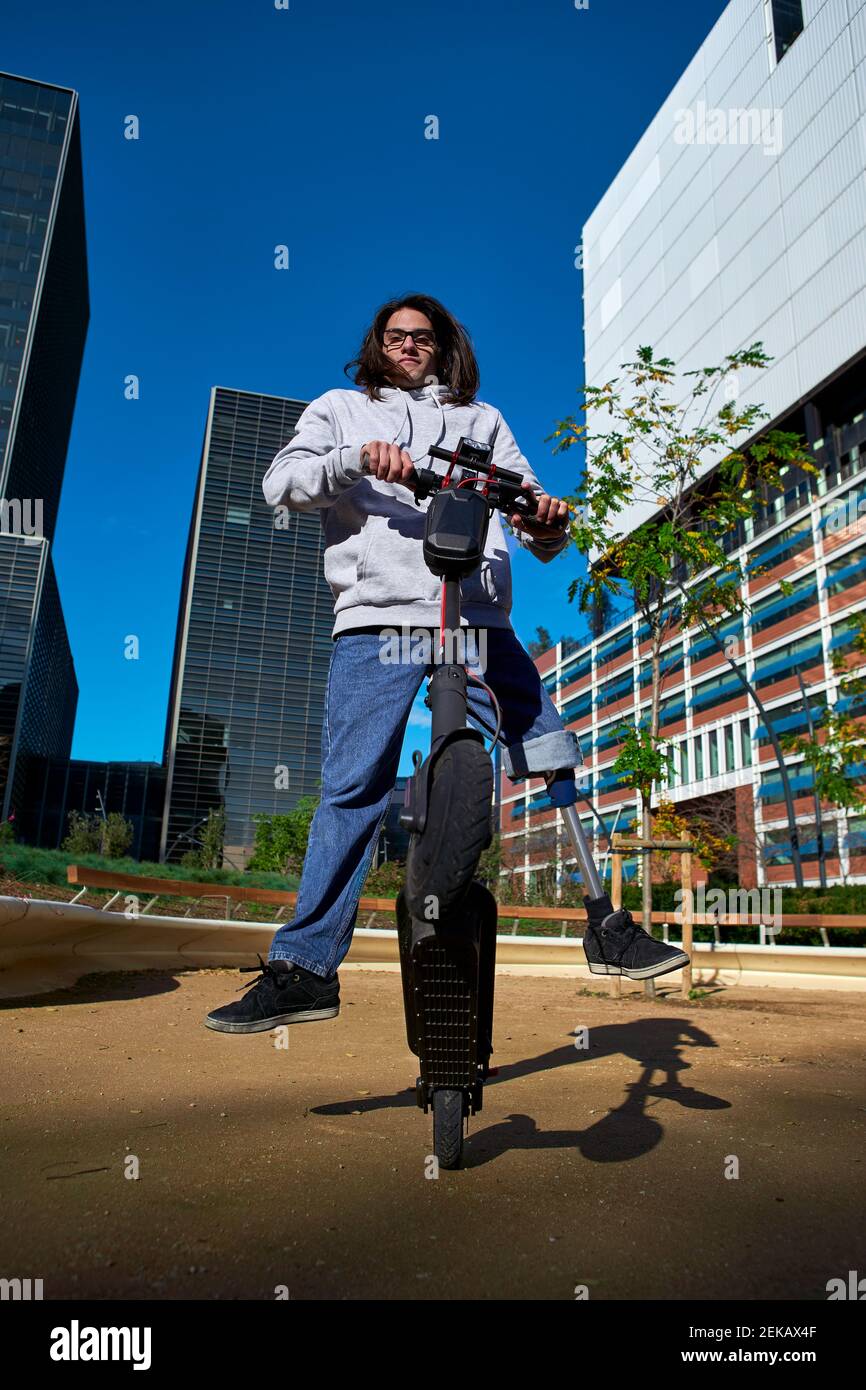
(208, 853)
(212, 838)
(281, 842)
(543, 643)
(709, 848)
(675, 564)
(115, 835)
(92, 833)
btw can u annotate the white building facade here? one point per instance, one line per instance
(739, 216)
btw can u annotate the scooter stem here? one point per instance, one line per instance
(588, 871)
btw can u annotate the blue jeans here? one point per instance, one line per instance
(367, 706)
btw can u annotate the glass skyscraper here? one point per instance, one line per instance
(44, 311)
(253, 643)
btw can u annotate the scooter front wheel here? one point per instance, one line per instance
(441, 862)
(448, 1127)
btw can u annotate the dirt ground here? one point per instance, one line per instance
(306, 1167)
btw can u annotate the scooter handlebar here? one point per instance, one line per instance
(509, 495)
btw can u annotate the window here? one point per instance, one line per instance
(846, 571)
(788, 660)
(779, 606)
(578, 708)
(575, 670)
(671, 710)
(715, 691)
(788, 543)
(746, 743)
(714, 752)
(787, 19)
(777, 843)
(669, 663)
(613, 647)
(704, 645)
(801, 782)
(790, 718)
(843, 636)
(729, 747)
(609, 737)
(698, 749)
(684, 755)
(617, 689)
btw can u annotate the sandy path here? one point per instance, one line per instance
(305, 1167)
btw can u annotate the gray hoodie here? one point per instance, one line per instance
(373, 530)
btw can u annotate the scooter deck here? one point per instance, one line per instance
(448, 982)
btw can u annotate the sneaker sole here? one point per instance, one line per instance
(648, 973)
(264, 1025)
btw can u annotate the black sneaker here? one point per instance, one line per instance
(282, 993)
(618, 946)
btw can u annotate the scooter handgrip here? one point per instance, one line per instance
(409, 481)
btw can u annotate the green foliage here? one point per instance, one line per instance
(642, 760)
(385, 881)
(489, 866)
(7, 833)
(209, 852)
(543, 643)
(281, 841)
(107, 836)
(33, 865)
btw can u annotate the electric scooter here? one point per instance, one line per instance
(446, 919)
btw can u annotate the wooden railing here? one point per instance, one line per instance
(83, 877)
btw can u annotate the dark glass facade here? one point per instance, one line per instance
(56, 786)
(44, 305)
(44, 312)
(38, 689)
(253, 640)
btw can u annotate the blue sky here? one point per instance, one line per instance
(305, 126)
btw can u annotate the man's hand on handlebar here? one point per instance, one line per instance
(548, 522)
(388, 463)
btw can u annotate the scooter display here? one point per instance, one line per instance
(446, 919)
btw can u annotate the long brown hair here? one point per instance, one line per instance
(458, 368)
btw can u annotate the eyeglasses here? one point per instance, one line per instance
(421, 337)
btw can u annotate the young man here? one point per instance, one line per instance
(420, 381)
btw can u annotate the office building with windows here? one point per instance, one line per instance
(44, 311)
(740, 216)
(55, 787)
(253, 644)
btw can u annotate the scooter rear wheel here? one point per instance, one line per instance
(441, 862)
(448, 1127)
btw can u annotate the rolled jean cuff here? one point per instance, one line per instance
(547, 753)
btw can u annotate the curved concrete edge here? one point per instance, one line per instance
(47, 945)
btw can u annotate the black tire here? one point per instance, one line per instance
(448, 1127)
(441, 862)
